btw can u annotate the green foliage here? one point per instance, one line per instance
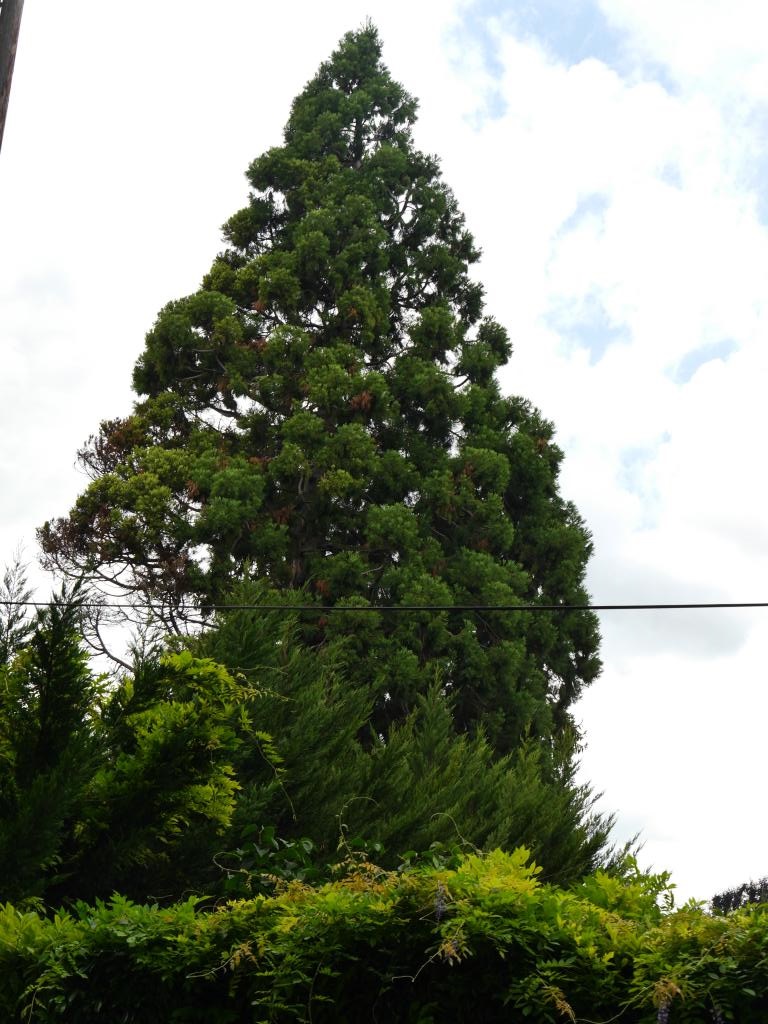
(323, 414)
(422, 785)
(47, 748)
(14, 619)
(186, 777)
(164, 791)
(479, 939)
(320, 423)
(129, 787)
(265, 859)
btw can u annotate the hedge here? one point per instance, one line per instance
(482, 941)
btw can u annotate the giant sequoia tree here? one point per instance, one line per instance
(323, 415)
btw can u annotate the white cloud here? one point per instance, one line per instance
(716, 46)
(679, 748)
(618, 194)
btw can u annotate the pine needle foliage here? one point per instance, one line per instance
(15, 626)
(128, 787)
(186, 777)
(47, 747)
(422, 785)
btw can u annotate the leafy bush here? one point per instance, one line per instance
(481, 941)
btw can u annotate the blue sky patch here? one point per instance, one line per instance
(756, 165)
(670, 175)
(632, 463)
(569, 30)
(697, 357)
(588, 325)
(477, 28)
(634, 478)
(595, 204)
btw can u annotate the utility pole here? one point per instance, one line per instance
(10, 19)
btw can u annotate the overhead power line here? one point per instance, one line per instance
(148, 605)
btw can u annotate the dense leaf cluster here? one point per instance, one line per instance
(184, 777)
(127, 787)
(323, 415)
(481, 940)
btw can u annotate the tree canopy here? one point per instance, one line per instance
(183, 777)
(741, 896)
(128, 786)
(323, 415)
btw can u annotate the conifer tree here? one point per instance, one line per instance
(15, 599)
(424, 785)
(47, 747)
(180, 777)
(323, 415)
(126, 787)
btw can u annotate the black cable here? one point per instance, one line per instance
(409, 607)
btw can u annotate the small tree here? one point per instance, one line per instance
(323, 414)
(127, 788)
(47, 747)
(15, 595)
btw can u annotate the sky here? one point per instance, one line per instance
(609, 157)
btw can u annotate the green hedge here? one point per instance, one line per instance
(483, 942)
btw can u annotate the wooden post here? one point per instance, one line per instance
(10, 19)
